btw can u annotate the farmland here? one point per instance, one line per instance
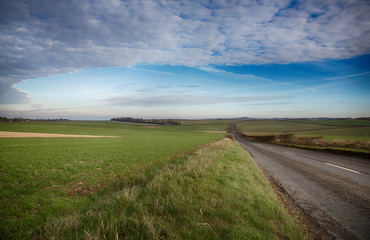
(47, 176)
(144, 182)
(202, 125)
(329, 129)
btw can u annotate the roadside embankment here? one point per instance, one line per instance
(216, 192)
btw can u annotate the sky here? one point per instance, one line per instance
(94, 60)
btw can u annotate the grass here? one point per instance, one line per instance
(365, 154)
(45, 177)
(351, 134)
(345, 147)
(146, 183)
(202, 125)
(347, 122)
(206, 122)
(79, 127)
(110, 128)
(349, 137)
(329, 129)
(217, 192)
(266, 127)
(205, 127)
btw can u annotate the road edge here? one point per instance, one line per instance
(307, 224)
(310, 225)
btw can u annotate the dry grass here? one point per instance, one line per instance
(229, 136)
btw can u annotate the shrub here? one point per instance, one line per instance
(230, 136)
(286, 138)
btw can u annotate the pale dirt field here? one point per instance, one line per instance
(44, 135)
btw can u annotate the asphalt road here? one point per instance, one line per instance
(332, 190)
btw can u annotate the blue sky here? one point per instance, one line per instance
(184, 59)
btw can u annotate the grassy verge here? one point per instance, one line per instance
(217, 192)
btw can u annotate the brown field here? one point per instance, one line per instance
(42, 135)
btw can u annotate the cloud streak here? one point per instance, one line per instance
(182, 100)
(348, 76)
(247, 77)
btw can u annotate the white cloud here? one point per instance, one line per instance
(41, 38)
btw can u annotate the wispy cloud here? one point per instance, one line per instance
(316, 88)
(190, 86)
(220, 72)
(154, 71)
(247, 77)
(271, 103)
(182, 100)
(348, 76)
(172, 88)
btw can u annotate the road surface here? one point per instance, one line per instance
(332, 190)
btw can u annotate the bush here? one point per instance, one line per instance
(230, 136)
(286, 138)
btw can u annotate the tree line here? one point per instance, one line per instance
(232, 127)
(20, 119)
(149, 121)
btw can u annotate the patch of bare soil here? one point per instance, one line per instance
(81, 188)
(4, 134)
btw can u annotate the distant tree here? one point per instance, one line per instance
(229, 128)
(364, 118)
(149, 121)
(19, 119)
(232, 127)
(4, 119)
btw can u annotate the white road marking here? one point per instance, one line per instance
(342, 168)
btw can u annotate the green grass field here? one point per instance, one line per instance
(347, 122)
(329, 129)
(143, 183)
(202, 125)
(43, 177)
